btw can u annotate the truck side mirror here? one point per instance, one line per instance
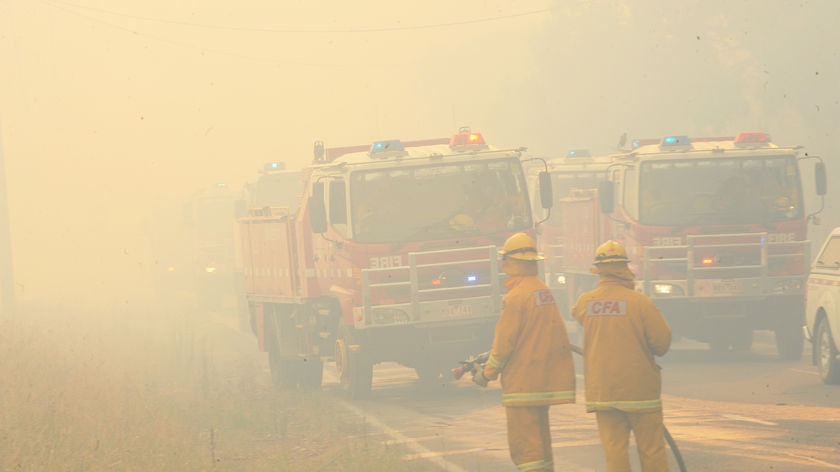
(546, 192)
(317, 209)
(606, 196)
(820, 178)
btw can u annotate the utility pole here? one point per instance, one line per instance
(7, 272)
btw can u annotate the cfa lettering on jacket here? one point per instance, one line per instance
(543, 297)
(606, 307)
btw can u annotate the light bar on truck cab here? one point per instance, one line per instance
(637, 143)
(752, 138)
(712, 139)
(464, 137)
(273, 165)
(672, 141)
(579, 153)
(386, 146)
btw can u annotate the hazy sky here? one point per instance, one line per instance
(111, 109)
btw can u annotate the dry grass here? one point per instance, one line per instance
(159, 390)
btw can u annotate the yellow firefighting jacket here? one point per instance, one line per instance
(531, 348)
(623, 331)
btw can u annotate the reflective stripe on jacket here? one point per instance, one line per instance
(531, 347)
(623, 331)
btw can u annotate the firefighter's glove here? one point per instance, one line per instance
(479, 378)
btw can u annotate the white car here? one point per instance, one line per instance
(822, 309)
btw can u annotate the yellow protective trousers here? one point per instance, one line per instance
(614, 427)
(529, 438)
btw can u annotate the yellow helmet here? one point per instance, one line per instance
(520, 246)
(462, 222)
(610, 251)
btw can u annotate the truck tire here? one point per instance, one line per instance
(826, 354)
(284, 367)
(432, 375)
(789, 339)
(311, 373)
(284, 373)
(355, 371)
(734, 337)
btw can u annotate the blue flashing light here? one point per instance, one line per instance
(676, 141)
(578, 153)
(274, 165)
(471, 278)
(386, 146)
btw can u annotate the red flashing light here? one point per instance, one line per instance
(436, 282)
(707, 261)
(752, 137)
(467, 139)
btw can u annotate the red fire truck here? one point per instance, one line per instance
(576, 171)
(715, 228)
(192, 248)
(391, 257)
(278, 187)
(275, 186)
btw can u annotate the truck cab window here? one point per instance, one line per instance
(830, 257)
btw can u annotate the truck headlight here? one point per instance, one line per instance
(667, 289)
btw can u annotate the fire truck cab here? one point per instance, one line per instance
(392, 256)
(276, 186)
(574, 173)
(716, 229)
(209, 221)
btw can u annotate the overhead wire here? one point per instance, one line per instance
(88, 12)
(378, 29)
(109, 24)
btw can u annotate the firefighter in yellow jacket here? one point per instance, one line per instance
(532, 354)
(622, 332)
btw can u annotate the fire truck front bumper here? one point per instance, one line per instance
(746, 288)
(427, 313)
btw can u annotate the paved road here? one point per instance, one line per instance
(727, 413)
(740, 412)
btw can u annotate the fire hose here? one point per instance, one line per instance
(471, 364)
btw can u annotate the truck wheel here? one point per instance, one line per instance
(283, 369)
(827, 363)
(719, 344)
(735, 337)
(431, 375)
(789, 341)
(312, 373)
(742, 339)
(355, 373)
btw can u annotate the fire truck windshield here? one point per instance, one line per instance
(276, 189)
(212, 217)
(716, 191)
(439, 201)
